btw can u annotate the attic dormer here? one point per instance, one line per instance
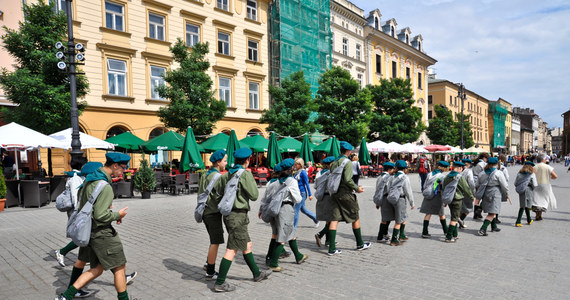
(417, 42)
(373, 19)
(389, 27)
(404, 35)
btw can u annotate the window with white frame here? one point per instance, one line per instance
(225, 87)
(419, 80)
(252, 49)
(223, 43)
(344, 46)
(156, 26)
(332, 41)
(359, 77)
(192, 34)
(117, 77)
(358, 52)
(252, 10)
(223, 4)
(156, 80)
(59, 5)
(394, 69)
(114, 16)
(254, 95)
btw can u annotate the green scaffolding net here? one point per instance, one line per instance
(300, 39)
(500, 113)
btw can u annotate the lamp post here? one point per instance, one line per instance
(461, 95)
(75, 153)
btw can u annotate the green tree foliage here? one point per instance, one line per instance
(395, 118)
(344, 108)
(189, 90)
(291, 107)
(467, 133)
(442, 130)
(37, 86)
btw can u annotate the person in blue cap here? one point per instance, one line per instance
(478, 168)
(434, 206)
(237, 221)
(212, 217)
(103, 236)
(270, 188)
(494, 184)
(467, 203)
(462, 191)
(387, 211)
(525, 183)
(345, 205)
(400, 181)
(323, 207)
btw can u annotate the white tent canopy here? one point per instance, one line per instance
(377, 146)
(411, 148)
(87, 141)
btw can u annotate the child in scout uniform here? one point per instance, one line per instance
(526, 179)
(434, 206)
(212, 218)
(479, 167)
(344, 203)
(399, 208)
(491, 200)
(503, 168)
(461, 192)
(467, 203)
(270, 189)
(236, 222)
(387, 210)
(103, 235)
(282, 226)
(323, 207)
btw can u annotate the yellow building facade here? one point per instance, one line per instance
(444, 92)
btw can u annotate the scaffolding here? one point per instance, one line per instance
(300, 39)
(499, 113)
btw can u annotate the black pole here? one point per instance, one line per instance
(75, 153)
(462, 97)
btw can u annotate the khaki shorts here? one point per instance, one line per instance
(236, 225)
(104, 248)
(214, 227)
(345, 207)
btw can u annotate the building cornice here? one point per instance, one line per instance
(344, 30)
(347, 13)
(376, 35)
(447, 82)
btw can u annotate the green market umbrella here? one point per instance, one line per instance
(257, 143)
(168, 141)
(215, 142)
(190, 158)
(289, 144)
(335, 148)
(273, 153)
(126, 142)
(324, 146)
(233, 145)
(363, 154)
(306, 153)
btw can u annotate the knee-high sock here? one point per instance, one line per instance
(402, 231)
(272, 245)
(251, 264)
(275, 255)
(519, 219)
(324, 231)
(386, 228)
(527, 211)
(358, 236)
(494, 223)
(443, 225)
(426, 225)
(395, 235)
(295, 249)
(69, 293)
(486, 224)
(67, 248)
(75, 273)
(123, 295)
(455, 230)
(332, 241)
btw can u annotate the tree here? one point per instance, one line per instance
(395, 118)
(467, 133)
(291, 107)
(344, 108)
(189, 90)
(37, 86)
(442, 130)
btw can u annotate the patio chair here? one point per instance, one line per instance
(179, 184)
(193, 180)
(12, 193)
(124, 189)
(56, 186)
(158, 180)
(33, 194)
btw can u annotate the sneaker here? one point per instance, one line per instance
(518, 225)
(60, 298)
(303, 259)
(335, 252)
(383, 239)
(495, 229)
(60, 258)
(262, 276)
(210, 277)
(285, 254)
(317, 224)
(482, 232)
(318, 240)
(224, 287)
(205, 267)
(530, 222)
(426, 235)
(364, 246)
(403, 239)
(461, 223)
(451, 240)
(396, 243)
(276, 269)
(131, 277)
(82, 294)
(498, 221)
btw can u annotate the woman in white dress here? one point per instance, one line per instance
(543, 196)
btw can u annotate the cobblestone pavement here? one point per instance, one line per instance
(168, 248)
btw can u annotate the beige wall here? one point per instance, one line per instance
(12, 14)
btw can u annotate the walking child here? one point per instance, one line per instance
(400, 193)
(525, 183)
(387, 211)
(324, 206)
(490, 188)
(434, 206)
(462, 192)
(467, 203)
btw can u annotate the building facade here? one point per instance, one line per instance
(527, 140)
(444, 92)
(508, 122)
(515, 135)
(566, 133)
(497, 118)
(12, 13)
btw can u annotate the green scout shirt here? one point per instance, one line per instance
(247, 189)
(102, 213)
(346, 182)
(211, 203)
(463, 191)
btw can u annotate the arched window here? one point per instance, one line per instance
(156, 132)
(254, 132)
(376, 22)
(226, 132)
(116, 130)
(392, 31)
(420, 46)
(407, 39)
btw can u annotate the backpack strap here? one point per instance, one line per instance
(212, 183)
(94, 195)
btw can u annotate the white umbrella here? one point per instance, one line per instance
(87, 141)
(395, 147)
(377, 146)
(411, 148)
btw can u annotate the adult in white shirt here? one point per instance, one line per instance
(543, 197)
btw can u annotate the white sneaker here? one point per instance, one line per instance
(83, 294)
(317, 224)
(60, 258)
(131, 277)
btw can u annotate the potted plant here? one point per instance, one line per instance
(144, 179)
(2, 190)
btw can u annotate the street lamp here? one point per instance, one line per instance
(462, 95)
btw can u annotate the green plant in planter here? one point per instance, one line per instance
(144, 178)
(2, 184)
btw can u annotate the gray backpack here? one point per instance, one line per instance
(230, 192)
(395, 190)
(430, 186)
(333, 181)
(449, 190)
(321, 185)
(271, 209)
(63, 201)
(380, 189)
(79, 224)
(202, 198)
(522, 184)
(481, 189)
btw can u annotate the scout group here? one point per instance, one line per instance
(224, 199)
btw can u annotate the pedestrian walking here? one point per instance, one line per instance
(503, 168)
(387, 211)
(423, 168)
(356, 172)
(490, 186)
(480, 164)
(543, 197)
(434, 206)
(462, 192)
(400, 193)
(525, 183)
(345, 205)
(467, 203)
(324, 205)
(303, 182)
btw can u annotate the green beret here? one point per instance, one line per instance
(401, 164)
(493, 160)
(90, 167)
(242, 153)
(467, 160)
(346, 146)
(328, 160)
(218, 155)
(287, 164)
(528, 162)
(117, 157)
(388, 165)
(458, 164)
(277, 168)
(443, 163)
